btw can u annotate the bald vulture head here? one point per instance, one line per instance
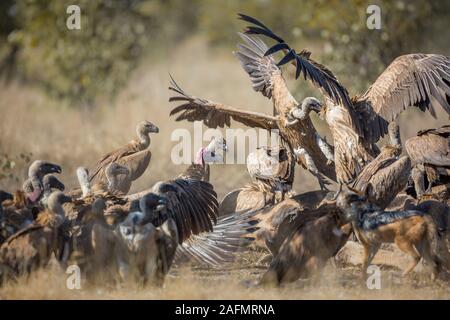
(308, 104)
(112, 172)
(83, 180)
(40, 168)
(55, 202)
(213, 153)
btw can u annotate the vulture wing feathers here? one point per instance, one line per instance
(411, 80)
(193, 206)
(215, 114)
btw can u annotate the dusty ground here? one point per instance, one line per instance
(186, 282)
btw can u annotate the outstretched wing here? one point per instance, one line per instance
(259, 67)
(320, 75)
(215, 248)
(193, 206)
(215, 114)
(411, 80)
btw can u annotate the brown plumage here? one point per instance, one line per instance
(387, 174)
(32, 247)
(267, 78)
(430, 153)
(133, 155)
(357, 124)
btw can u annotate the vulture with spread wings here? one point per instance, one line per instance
(420, 80)
(266, 78)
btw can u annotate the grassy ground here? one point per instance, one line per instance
(31, 122)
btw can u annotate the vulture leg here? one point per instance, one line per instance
(418, 175)
(311, 166)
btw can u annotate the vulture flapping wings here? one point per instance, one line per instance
(192, 205)
(410, 80)
(215, 114)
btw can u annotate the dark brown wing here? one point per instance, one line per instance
(411, 80)
(98, 173)
(320, 75)
(196, 171)
(215, 114)
(194, 206)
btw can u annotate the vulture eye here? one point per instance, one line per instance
(125, 231)
(213, 154)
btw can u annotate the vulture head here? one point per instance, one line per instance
(83, 180)
(112, 171)
(213, 153)
(145, 127)
(152, 204)
(55, 202)
(40, 168)
(50, 182)
(308, 104)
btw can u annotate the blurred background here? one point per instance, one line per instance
(69, 96)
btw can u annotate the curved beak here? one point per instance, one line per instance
(52, 168)
(154, 129)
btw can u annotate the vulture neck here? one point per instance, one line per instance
(36, 182)
(283, 100)
(144, 139)
(199, 157)
(112, 182)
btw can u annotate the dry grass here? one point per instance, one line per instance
(32, 122)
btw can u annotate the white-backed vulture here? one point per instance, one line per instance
(32, 247)
(387, 174)
(358, 123)
(266, 78)
(273, 170)
(134, 155)
(430, 154)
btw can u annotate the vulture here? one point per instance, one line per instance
(33, 246)
(273, 171)
(36, 172)
(266, 78)
(134, 155)
(387, 174)
(358, 123)
(210, 154)
(144, 248)
(49, 183)
(3, 232)
(430, 154)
